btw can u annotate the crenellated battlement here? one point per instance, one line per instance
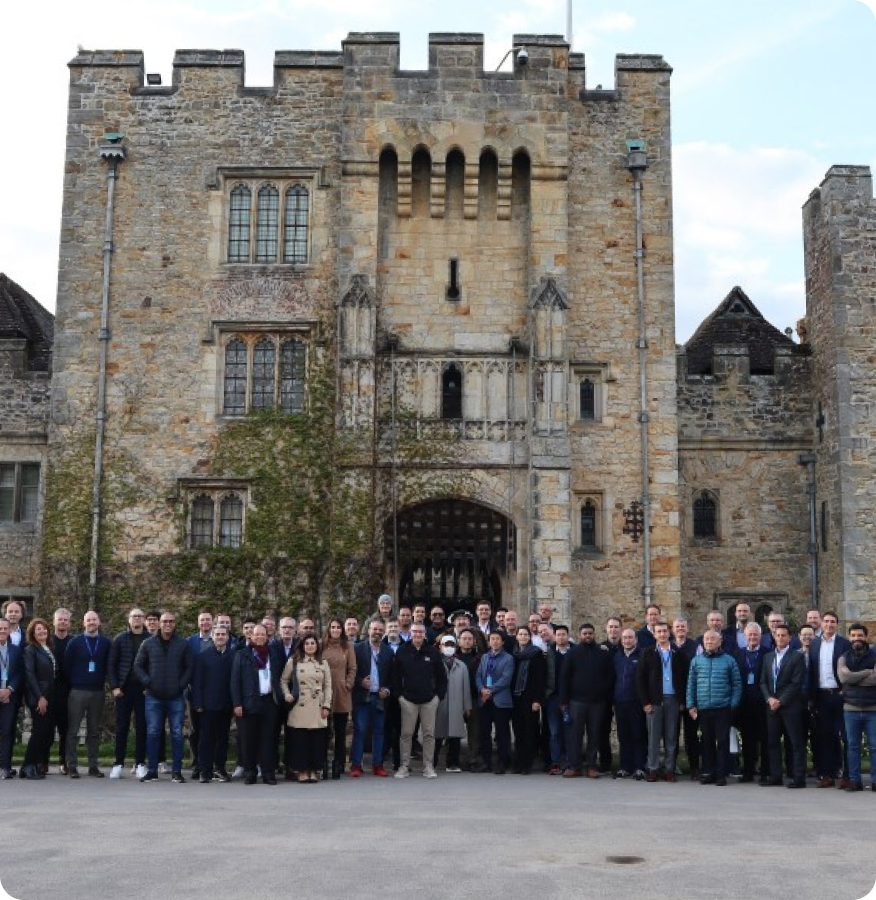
(370, 58)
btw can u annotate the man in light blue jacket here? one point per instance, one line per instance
(714, 690)
(493, 681)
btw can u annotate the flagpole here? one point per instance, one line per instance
(569, 23)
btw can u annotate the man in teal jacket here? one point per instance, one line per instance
(714, 690)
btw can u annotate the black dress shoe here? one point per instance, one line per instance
(771, 782)
(797, 783)
(499, 770)
(72, 772)
(250, 779)
(269, 779)
(707, 779)
(720, 782)
(94, 772)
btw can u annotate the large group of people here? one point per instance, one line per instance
(487, 691)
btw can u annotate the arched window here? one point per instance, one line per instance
(588, 525)
(488, 185)
(454, 196)
(521, 170)
(293, 361)
(295, 225)
(388, 182)
(451, 392)
(263, 362)
(267, 221)
(421, 183)
(230, 522)
(201, 531)
(238, 224)
(705, 517)
(234, 403)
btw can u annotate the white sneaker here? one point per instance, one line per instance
(402, 772)
(238, 772)
(140, 770)
(116, 772)
(162, 769)
(429, 772)
(453, 769)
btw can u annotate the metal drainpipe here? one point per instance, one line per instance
(809, 460)
(637, 162)
(114, 153)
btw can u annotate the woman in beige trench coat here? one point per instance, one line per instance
(309, 717)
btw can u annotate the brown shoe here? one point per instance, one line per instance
(593, 773)
(670, 776)
(844, 784)
(572, 773)
(825, 783)
(651, 777)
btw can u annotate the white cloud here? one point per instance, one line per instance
(737, 221)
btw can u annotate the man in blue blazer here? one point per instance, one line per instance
(830, 733)
(11, 688)
(374, 661)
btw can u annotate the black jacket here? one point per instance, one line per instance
(121, 659)
(245, 690)
(587, 675)
(529, 685)
(419, 675)
(649, 676)
(39, 675)
(211, 682)
(164, 667)
(385, 658)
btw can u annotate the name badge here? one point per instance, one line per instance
(4, 677)
(92, 667)
(751, 677)
(264, 681)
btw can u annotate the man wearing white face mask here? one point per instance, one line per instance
(454, 708)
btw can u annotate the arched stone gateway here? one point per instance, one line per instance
(450, 552)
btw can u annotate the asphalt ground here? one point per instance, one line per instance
(458, 836)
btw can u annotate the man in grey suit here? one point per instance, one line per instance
(781, 682)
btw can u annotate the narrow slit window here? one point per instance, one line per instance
(421, 183)
(231, 522)
(263, 363)
(705, 513)
(588, 525)
(488, 185)
(588, 399)
(295, 225)
(239, 225)
(235, 378)
(292, 374)
(454, 196)
(202, 523)
(520, 186)
(267, 222)
(453, 289)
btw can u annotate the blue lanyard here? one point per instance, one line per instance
(88, 645)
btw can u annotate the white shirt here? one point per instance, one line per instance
(16, 636)
(826, 681)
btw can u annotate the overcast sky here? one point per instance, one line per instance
(766, 96)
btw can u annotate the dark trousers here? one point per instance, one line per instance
(586, 718)
(632, 735)
(194, 734)
(691, 729)
(751, 722)
(7, 733)
(454, 750)
(259, 737)
(337, 724)
(500, 717)
(62, 719)
(132, 702)
(715, 728)
(525, 723)
(392, 730)
(213, 741)
(605, 740)
(41, 736)
(90, 705)
(787, 721)
(308, 748)
(830, 734)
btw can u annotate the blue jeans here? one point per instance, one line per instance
(858, 722)
(557, 731)
(156, 712)
(364, 714)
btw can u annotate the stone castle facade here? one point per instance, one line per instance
(449, 295)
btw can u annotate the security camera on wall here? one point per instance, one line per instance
(522, 57)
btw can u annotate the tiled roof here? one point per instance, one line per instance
(736, 321)
(23, 317)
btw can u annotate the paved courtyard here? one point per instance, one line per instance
(460, 836)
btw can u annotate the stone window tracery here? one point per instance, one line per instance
(19, 492)
(264, 371)
(255, 207)
(216, 514)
